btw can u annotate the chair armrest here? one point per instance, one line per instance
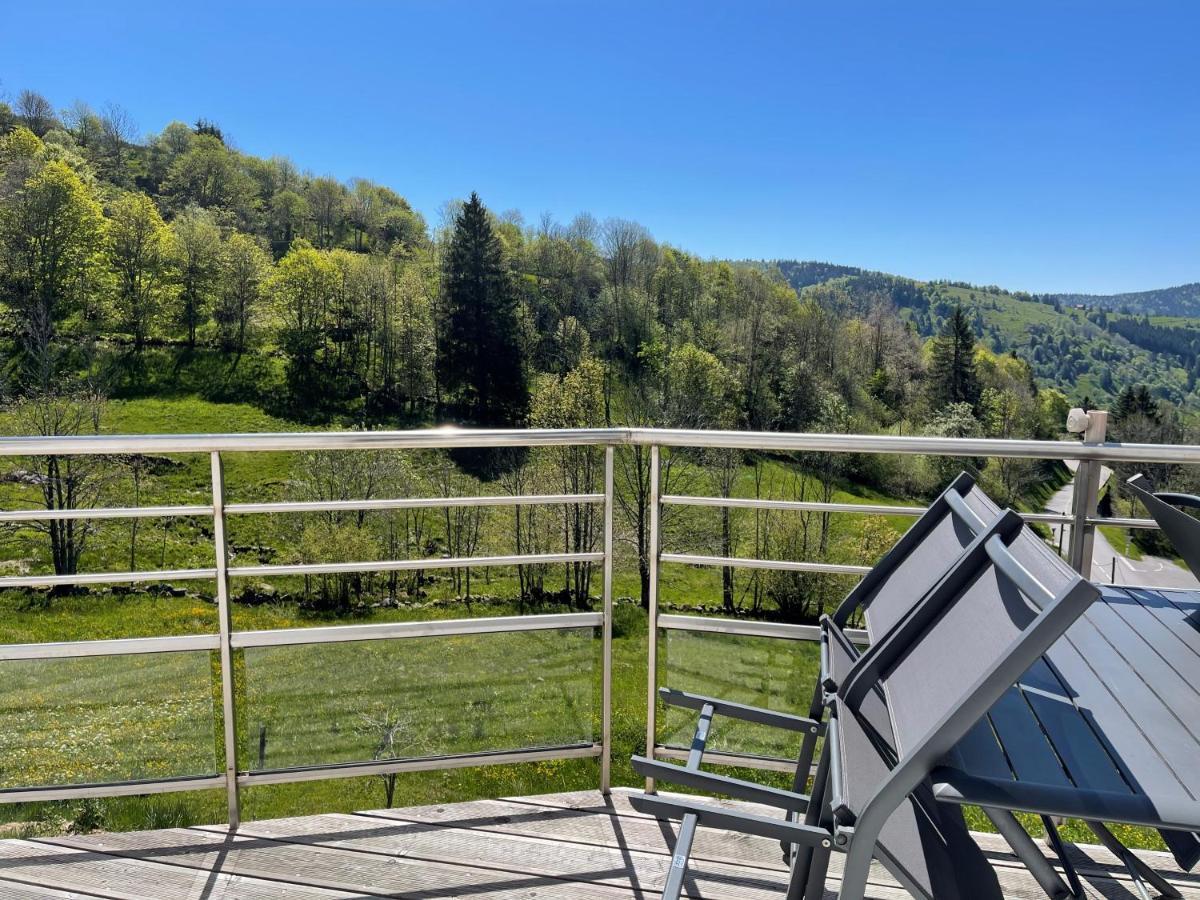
(755, 714)
(737, 788)
(745, 823)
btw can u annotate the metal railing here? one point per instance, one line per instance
(228, 640)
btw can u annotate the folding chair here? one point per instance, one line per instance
(955, 651)
(1181, 529)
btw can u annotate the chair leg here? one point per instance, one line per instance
(802, 858)
(1141, 873)
(1054, 839)
(857, 870)
(1022, 845)
(673, 887)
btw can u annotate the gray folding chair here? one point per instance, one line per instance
(957, 650)
(1181, 530)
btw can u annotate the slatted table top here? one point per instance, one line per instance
(574, 845)
(1106, 725)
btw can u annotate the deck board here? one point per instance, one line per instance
(573, 845)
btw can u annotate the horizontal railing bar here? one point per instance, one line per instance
(931, 446)
(303, 506)
(1048, 518)
(111, 512)
(400, 565)
(750, 628)
(743, 760)
(111, 789)
(867, 509)
(420, 764)
(428, 438)
(445, 438)
(20, 581)
(781, 565)
(791, 505)
(111, 647)
(391, 630)
(1148, 524)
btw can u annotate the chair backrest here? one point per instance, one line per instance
(1005, 601)
(925, 845)
(921, 557)
(1181, 529)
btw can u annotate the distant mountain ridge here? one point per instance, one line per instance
(1182, 300)
(1090, 346)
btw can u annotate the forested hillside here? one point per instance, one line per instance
(178, 264)
(1087, 353)
(1183, 300)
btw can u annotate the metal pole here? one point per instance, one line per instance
(607, 637)
(221, 549)
(1087, 490)
(652, 636)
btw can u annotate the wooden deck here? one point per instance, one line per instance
(574, 845)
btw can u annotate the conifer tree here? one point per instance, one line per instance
(952, 374)
(480, 362)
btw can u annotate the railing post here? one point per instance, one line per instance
(1086, 497)
(607, 637)
(652, 637)
(221, 551)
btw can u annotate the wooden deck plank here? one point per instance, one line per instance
(573, 845)
(94, 874)
(295, 863)
(604, 865)
(12, 890)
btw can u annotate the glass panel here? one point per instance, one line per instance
(318, 704)
(770, 672)
(106, 718)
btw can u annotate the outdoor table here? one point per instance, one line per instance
(1105, 727)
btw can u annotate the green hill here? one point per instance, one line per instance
(1085, 352)
(1183, 300)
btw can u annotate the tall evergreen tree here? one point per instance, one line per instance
(1136, 400)
(480, 362)
(952, 374)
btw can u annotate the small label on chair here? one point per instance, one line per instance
(678, 862)
(702, 731)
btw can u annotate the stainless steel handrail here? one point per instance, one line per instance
(445, 438)
(656, 440)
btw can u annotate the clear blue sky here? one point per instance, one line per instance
(1046, 146)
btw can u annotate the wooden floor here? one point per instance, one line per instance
(563, 845)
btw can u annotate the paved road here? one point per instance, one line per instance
(1149, 570)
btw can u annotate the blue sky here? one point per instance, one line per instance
(1045, 146)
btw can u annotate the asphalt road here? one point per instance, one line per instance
(1152, 571)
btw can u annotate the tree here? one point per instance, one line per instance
(575, 400)
(327, 205)
(51, 229)
(411, 344)
(952, 373)
(480, 363)
(208, 175)
(36, 111)
(287, 214)
(303, 287)
(197, 258)
(244, 267)
(65, 482)
(139, 246)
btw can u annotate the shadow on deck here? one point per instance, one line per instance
(577, 845)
